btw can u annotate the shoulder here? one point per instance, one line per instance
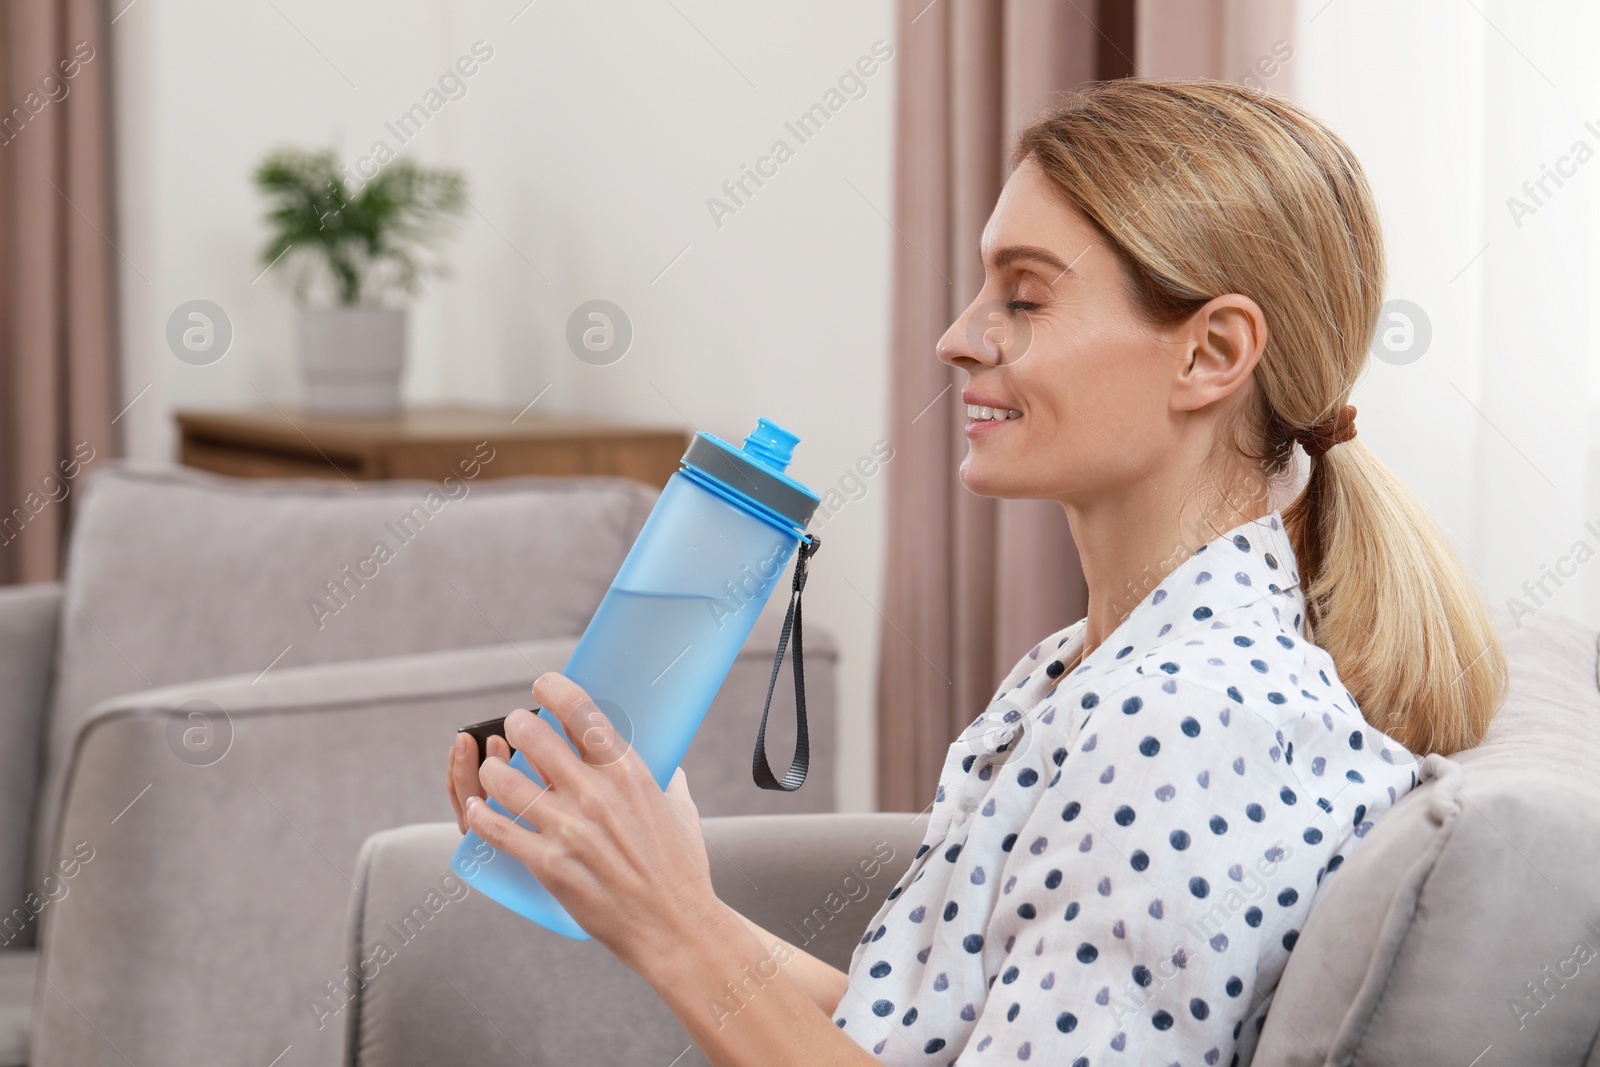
(1160, 719)
(1250, 659)
(1245, 707)
(1277, 680)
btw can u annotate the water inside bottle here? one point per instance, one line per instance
(672, 664)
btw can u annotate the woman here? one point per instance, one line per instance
(1181, 281)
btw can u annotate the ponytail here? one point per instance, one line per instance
(1390, 602)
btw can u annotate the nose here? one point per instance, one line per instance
(981, 334)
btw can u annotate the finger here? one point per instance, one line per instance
(498, 747)
(520, 795)
(678, 793)
(464, 770)
(505, 835)
(450, 788)
(586, 725)
(544, 749)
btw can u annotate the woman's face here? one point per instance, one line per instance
(1053, 340)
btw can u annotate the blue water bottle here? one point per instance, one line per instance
(667, 631)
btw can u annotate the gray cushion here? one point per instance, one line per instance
(1481, 880)
(174, 575)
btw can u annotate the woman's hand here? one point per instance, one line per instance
(628, 863)
(625, 859)
(461, 780)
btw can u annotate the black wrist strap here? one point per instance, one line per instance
(796, 773)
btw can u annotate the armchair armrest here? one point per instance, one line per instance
(28, 618)
(206, 911)
(435, 973)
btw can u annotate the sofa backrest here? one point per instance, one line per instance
(174, 575)
(1469, 917)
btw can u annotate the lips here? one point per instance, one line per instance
(985, 407)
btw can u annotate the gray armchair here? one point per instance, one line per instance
(229, 691)
(1467, 923)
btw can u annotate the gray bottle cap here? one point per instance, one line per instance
(750, 478)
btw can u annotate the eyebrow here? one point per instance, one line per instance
(1004, 257)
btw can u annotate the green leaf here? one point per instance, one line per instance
(366, 243)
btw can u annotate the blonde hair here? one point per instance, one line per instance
(1205, 188)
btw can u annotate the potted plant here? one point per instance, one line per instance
(352, 252)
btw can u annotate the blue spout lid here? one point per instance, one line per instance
(757, 470)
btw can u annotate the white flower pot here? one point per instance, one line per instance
(351, 358)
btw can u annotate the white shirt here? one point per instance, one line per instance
(1118, 861)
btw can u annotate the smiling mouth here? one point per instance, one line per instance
(983, 414)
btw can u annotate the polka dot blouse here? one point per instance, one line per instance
(1120, 856)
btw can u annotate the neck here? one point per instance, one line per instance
(1128, 543)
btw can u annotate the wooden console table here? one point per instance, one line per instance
(426, 443)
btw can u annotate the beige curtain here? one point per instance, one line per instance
(972, 583)
(57, 359)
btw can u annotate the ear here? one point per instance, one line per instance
(1220, 344)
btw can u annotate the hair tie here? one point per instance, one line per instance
(1337, 429)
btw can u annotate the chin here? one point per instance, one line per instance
(976, 479)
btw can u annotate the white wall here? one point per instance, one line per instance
(1451, 106)
(592, 138)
